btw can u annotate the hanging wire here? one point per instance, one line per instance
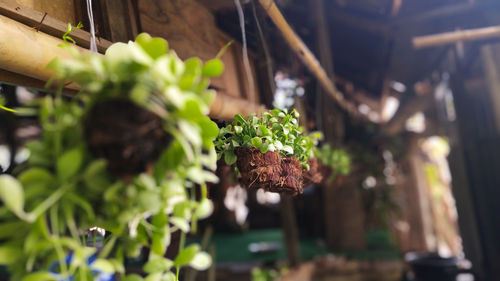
(93, 45)
(246, 61)
(269, 62)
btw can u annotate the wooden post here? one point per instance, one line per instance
(491, 66)
(290, 230)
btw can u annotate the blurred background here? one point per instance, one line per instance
(415, 104)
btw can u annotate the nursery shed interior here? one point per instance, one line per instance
(404, 182)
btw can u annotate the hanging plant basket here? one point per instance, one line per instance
(258, 169)
(315, 174)
(333, 164)
(123, 155)
(269, 171)
(270, 151)
(290, 177)
(128, 136)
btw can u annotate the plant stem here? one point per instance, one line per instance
(54, 222)
(58, 123)
(181, 247)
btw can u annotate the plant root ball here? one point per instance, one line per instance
(269, 171)
(291, 176)
(315, 173)
(128, 136)
(258, 169)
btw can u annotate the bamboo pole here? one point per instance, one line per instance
(306, 56)
(24, 53)
(455, 36)
(48, 24)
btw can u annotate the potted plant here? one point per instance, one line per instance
(126, 154)
(313, 173)
(332, 162)
(269, 151)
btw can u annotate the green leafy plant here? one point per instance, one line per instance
(65, 188)
(277, 130)
(70, 29)
(268, 274)
(338, 160)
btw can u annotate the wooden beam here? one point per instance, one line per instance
(24, 52)
(49, 25)
(456, 36)
(307, 57)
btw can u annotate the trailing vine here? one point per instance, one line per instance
(72, 180)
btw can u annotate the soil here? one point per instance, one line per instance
(269, 171)
(128, 136)
(315, 173)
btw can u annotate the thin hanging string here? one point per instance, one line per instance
(269, 62)
(93, 45)
(246, 61)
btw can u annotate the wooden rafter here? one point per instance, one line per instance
(308, 57)
(47, 24)
(456, 36)
(24, 52)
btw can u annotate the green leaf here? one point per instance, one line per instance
(160, 241)
(278, 145)
(12, 194)
(40, 276)
(213, 68)
(201, 261)
(288, 149)
(256, 142)
(181, 223)
(263, 131)
(235, 143)
(193, 66)
(264, 147)
(104, 265)
(238, 129)
(229, 157)
(36, 181)
(11, 229)
(190, 132)
(149, 201)
(69, 163)
(96, 176)
(154, 47)
(169, 276)
(35, 176)
(199, 175)
(145, 181)
(9, 254)
(238, 118)
(154, 277)
(158, 265)
(204, 209)
(209, 130)
(186, 255)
